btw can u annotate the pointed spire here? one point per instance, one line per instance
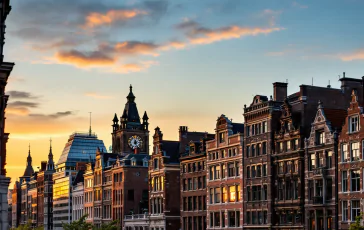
(131, 96)
(50, 163)
(115, 120)
(29, 158)
(145, 116)
(90, 130)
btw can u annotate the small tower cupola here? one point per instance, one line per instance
(145, 121)
(131, 97)
(115, 123)
(124, 119)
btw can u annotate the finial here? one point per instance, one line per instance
(131, 88)
(90, 130)
(29, 149)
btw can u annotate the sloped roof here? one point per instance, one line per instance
(238, 127)
(171, 149)
(336, 117)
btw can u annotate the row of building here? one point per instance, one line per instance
(295, 163)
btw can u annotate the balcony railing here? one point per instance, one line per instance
(318, 200)
(136, 217)
(319, 171)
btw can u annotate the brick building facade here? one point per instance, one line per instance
(225, 176)
(193, 185)
(320, 169)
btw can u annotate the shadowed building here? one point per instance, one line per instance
(193, 185)
(320, 168)
(16, 197)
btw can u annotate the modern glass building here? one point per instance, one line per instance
(81, 147)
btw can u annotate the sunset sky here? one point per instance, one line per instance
(188, 61)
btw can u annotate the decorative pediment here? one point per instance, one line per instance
(259, 99)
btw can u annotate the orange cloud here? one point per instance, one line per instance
(359, 55)
(80, 59)
(133, 67)
(207, 36)
(95, 19)
(97, 96)
(133, 47)
(22, 111)
(174, 45)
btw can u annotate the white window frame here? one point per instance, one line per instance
(354, 123)
(344, 152)
(357, 151)
(352, 209)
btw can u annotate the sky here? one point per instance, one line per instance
(188, 61)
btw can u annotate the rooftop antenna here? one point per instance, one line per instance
(312, 81)
(90, 131)
(343, 74)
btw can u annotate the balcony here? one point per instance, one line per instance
(319, 171)
(136, 217)
(318, 200)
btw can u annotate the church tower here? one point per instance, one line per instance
(130, 135)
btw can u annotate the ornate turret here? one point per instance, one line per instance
(145, 121)
(115, 123)
(50, 163)
(124, 120)
(29, 169)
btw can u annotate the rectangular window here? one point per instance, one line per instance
(353, 123)
(313, 161)
(354, 151)
(231, 170)
(248, 221)
(237, 169)
(232, 194)
(212, 173)
(329, 189)
(264, 148)
(264, 170)
(222, 137)
(217, 194)
(320, 137)
(355, 209)
(329, 160)
(195, 183)
(344, 211)
(253, 151)
(211, 195)
(280, 190)
(288, 143)
(248, 131)
(248, 189)
(259, 171)
(344, 181)
(265, 217)
(223, 169)
(248, 172)
(258, 149)
(238, 198)
(217, 219)
(265, 127)
(247, 151)
(344, 152)
(265, 192)
(217, 172)
(254, 173)
(355, 180)
(232, 219)
(224, 195)
(280, 167)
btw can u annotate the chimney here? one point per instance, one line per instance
(43, 166)
(183, 138)
(136, 151)
(279, 91)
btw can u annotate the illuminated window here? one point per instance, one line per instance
(232, 194)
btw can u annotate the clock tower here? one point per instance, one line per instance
(129, 134)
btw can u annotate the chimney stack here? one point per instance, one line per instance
(279, 91)
(43, 166)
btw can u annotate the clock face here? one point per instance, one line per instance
(135, 142)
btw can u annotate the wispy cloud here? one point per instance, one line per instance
(296, 4)
(97, 95)
(356, 55)
(53, 115)
(23, 104)
(84, 59)
(14, 94)
(95, 19)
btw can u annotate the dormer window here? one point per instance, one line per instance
(353, 124)
(133, 162)
(145, 163)
(320, 137)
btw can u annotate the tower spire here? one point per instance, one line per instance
(90, 130)
(50, 163)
